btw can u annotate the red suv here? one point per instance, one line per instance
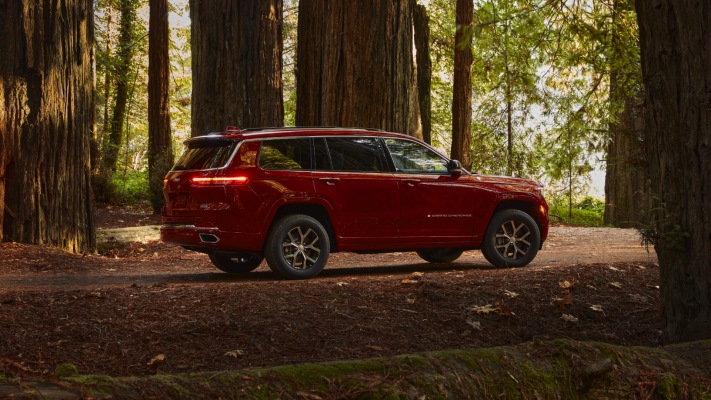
(295, 195)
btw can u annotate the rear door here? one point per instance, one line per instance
(352, 175)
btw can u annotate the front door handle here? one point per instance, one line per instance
(411, 182)
(330, 181)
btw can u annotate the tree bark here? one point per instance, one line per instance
(3, 128)
(237, 65)
(675, 37)
(627, 184)
(462, 92)
(160, 152)
(421, 24)
(47, 70)
(355, 65)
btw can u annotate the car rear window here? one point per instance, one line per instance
(206, 154)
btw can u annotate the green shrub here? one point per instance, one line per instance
(130, 187)
(586, 212)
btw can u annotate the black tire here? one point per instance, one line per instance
(511, 240)
(446, 255)
(237, 263)
(298, 247)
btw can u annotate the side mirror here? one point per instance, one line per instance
(455, 168)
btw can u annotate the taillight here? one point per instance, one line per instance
(218, 181)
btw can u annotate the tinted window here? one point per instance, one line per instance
(412, 157)
(285, 154)
(206, 154)
(355, 154)
(321, 157)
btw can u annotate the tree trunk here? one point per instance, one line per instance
(626, 180)
(676, 66)
(160, 152)
(355, 65)
(462, 92)
(122, 73)
(237, 65)
(627, 200)
(3, 127)
(421, 24)
(47, 70)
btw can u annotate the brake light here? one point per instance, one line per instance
(219, 181)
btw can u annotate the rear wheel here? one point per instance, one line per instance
(440, 255)
(511, 240)
(237, 263)
(297, 247)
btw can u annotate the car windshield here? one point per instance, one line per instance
(206, 153)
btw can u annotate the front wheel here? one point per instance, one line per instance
(440, 255)
(238, 263)
(297, 247)
(511, 240)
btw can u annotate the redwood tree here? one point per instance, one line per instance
(462, 92)
(160, 145)
(355, 65)
(237, 66)
(421, 23)
(47, 89)
(676, 66)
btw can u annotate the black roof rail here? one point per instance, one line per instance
(277, 128)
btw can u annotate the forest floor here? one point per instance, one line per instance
(147, 307)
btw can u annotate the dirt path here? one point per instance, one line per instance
(31, 268)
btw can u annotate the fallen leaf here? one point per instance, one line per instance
(235, 353)
(613, 268)
(483, 309)
(510, 293)
(157, 359)
(410, 300)
(569, 318)
(566, 284)
(475, 324)
(616, 284)
(565, 300)
(418, 274)
(341, 283)
(596, 307)
(503, 308)
(373, 347)
(408, 281)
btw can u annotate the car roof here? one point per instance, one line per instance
(279, 132)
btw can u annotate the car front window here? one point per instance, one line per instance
(414, 158)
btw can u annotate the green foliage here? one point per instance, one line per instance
(586, 212)
(66, 370)
(130, 187)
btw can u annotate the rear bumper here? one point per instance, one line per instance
(210, 238)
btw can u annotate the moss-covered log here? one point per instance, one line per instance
(550, 370)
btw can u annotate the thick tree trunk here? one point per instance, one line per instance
(675, 37)
(237, 65)
(160, 152)
(424, 69)
(627, 200)
(462, 92)
(355, 65)
(3, 127)
(46, 65)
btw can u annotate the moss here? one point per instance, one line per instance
(66, 370)
(668, 386)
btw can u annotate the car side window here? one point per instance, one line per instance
(289, 154)
(356, 154)
(414, 158)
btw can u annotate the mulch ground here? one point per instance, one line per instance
(149, 308)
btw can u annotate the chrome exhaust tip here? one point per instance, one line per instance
(208, 238)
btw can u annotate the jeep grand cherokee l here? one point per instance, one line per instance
(295, 195)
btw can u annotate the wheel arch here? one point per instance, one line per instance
(528, 207)
(314, 210)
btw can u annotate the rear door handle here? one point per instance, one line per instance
(411, 182)
(329, 181)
